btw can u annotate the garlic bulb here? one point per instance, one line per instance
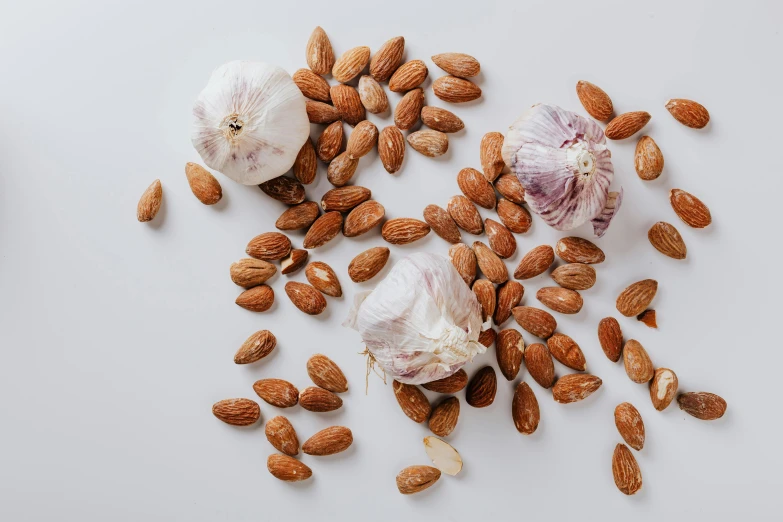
(565, 166)
(422, 322)
(250, 122)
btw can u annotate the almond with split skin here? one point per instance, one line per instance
(535, 262)
(363, 218)
(257, 299)
(625, 470)
(455, 90)
(575, 387)
(482, 388)
(350, 64)
(408, 110)
(415, 479)
(490, 264)
(648, 159)
(343, 199)
(636, 298)
(560, 300)
(626, 125)
(387, 59)
(464, 260)
(451, 384)
(566, 351)
(295, 260)
(372, 95)
(516, 218)
(630, 425)
(203, 184)
(578, 250)
(702, 405)
(324, 279)
(366, 265)
(476, 188)
(442, 224)
(536, 321)
(284, 189)
(458, 64)
(318, 400)
(305, 165)
(441, 120)
(320, 112)
(690, 208)
(401, 231)
(149, 203)
(248, 273)
(391, 148)
(341, 169)
(305, 297)
(312, 85)
(509, 349)
(539, 364)
(501, 241)
(487, 337)
(319, 55)
(299, 216)
(431, 143)
(346, 99)
(256, 347)
(412, 401)
(648, 317)
(282, 435)
(595, 101)
(510, 188)
(688, 112)
(287, 469)
(323, 230)
(277, 392)
(485, 293)
(329, 441)
(667, 240)
(269, 246)
(465, 215)
(330, 142)
(325, 374)
(575, 276)
(237, 412)
(444, 417)
(525, 410)
(509, 295)
(663, 388)
(637, 363)
(491, 160)
(408, 76)
(610, 337)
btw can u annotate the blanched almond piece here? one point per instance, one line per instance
(319, 55)
(387, 59)
(457, 64)
(465, 215)
(490, 264)
(464, 260)
(501, 241)
(516, 218)
(441, 120)
(372, 95)
(535, 262)
(443, 456)
(350, 64)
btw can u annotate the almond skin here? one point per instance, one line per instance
(648, 318)
(277, 392)
(257, 299)
(663, 388)
(702, 405)
(319, 55)
(362, 139)
(318, 400)
(299, 216)
(578, 250)
(509, 295)
(346, 99)
(630, 425)
(284, 189)
(248, 273)
(269, 246)
(150, 202)
(524, 409)
(295, 260)
(667, 240)
(610, 336)
(325, 374)
(323, 278)
(455, 90)
(476, 188)
(414, 479)
(330, 142)
(501, 241)
(690, 208)
(350, 64)
(485, 293)
(488, 337)
(203, 184)
(509, 349)
(465, 215)
(510, 188)
(491, 160)
(281, 434)
(625, 470)
(648, 159)
(341, 169)
(560, 300)
(320, 112)
(237, 412)
(636, 298)
(312, 85)
(412, 401)
(329, 441)
(431, 143)
(626, 125)
(323, 230)
(363, 218)
(490, 264)
(401, 231)
(343, 199)
(441, 120)
(637, 363)
(482, 388)
(372, 95)
(575, 276)
(444, 417)
(442, 224)
(408, 110)
(451, 384)
(575, 387)
(387, 59)
(595, 101)
(536, 321)
(566, 351)
(408, 76)
(516, 218)
(366, 265)
(539, 364)
(305, 297)
(535, 262)
(256, 347)
(458, 64)
(688, 112)
(391, 148)
(287, 468)
(464, 260)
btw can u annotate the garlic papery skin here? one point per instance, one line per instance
(562, 161)
(250, 122)
(422, 322)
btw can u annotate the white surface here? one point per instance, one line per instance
(117, 336)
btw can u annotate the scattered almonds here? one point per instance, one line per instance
(328, 441)
(690, 208)
(256, 347)
(150, 201)
(689, 113)
(595, 101)
(626, 125)
(237, 412)
(457, 64)
(667, 240)
(637, 297)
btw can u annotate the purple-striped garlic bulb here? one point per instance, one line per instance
(563, 163)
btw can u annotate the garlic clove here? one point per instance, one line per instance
(601, 222)
(443, 455)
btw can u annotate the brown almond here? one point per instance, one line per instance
(237, 412)
(516, 218)
(690, 208)
(441, 120)
(626, 125)
(408, 110)
(630, 425)
(318, 400)
(366, 265)
(575, 387)
(663, 388)
(363, 218)
(323, 278)
(323, 230)
(282, 435)
(560, 300)
(305, 165)
(465, 215)
(482, 388)
(575, 276)
(536, 321)
(637, 363)
(203, 184)
(444, 417)
(269, 246)
(490, 264)
(578, 250)
(464, 260)
(648, 317)
(688, 112)
(401, 231)
(648, 159)
(442, 224)
(611, 338)
(346, 99)
(491, 160)
(312, 85)
(636, 298)
(625, 470)
(408, 76)
(488, 337)
(305, 297)
(451, 384)
(702, 405)
(391, 148)
(330, 142)
(372, 95)
(414, 479)
(524, 409)
(325, 374)
(277, 392)
(350, 64)
(566, 351)
(343, 199)
(149, 203)
(341, 169)
(595, 101)
(248, 273)
(320, 112)
(329, 441)
(319, 55)
(387, 59)
(667, 240)
(255, 347)
(287, 468)
(485, 293)
(284, 189)
(295, 260)
(509, 295)
(299, 216)
(257, 299)
(535, 262)
(457, 64)
(510, 188)
(476, 187)
(539, 364)
(509, 349)
(431, 143)
(501, 241)
(412, 400)
(455, 90)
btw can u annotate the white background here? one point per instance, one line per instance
(118, 336)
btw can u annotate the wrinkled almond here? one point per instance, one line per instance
(464, 260)
(451, 384)
(237, 412)
(277, 392)
(414, 479)
(248, 273)
(637, 363)
(648, 159)
(524, 409)
(203, 184)
(320, 112)
(441, 120)
(343, 199)
(255, 347)
(516, 218)
(510, 188)
(287, 468)
(501, 241)
(578, 250)
(574, 276)
(636, 298)
(630, 425)
(366, 265)
(391, 148)
(444, 417)
(535, 262)
(362, 139)
(330, 142)
(560, 300)
(408, 76)
(329, 441)
(465, 215)
(269, 246)
(318, 400)
(509, 295)
(688, 112)
(350, 64)
(509, 349)
(702, 405)
(363, 218)
(372, 95)
(690, 208)
(575, 387)
(319, 55)
(305, 297)
(476, 188)
(491, 160)
(442, 224)
(281, 434)
(312, 85)
(457, 64)
(625, 470)
(566, 351)
(299, 216)
(536, 321)
(610, 338)
(485, 293)
(412, 400)
(323, 278)
(325, 374)
(539, 364)
(401, 231)
(455, 90)
(408, 110)
(257, 299)
(595, 101)
(431, 143)
(667, 240)
(626, 125)
(387, 59)
(482, 388)
(487, 337)
(346, 100)
(341, 169)
(490, 264)
(149, 203)
(663, 388)
(305, 165)
(323, 230)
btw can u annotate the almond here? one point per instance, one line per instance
(312, 85)
(431, 143)
(237, 412)
(366, 265)
(516, 218)
(501, 241)
(575, 276)
(487, 337)
(408, 76)
(637, 363)
(295, 260)
(277, 392)
(330, 142)
(256, 347)
(248, 273)
(325, 374)
(535, 262)
(491, 159)
(451, 384)
(611, 338)
(663, 388)
(305, 297)
(464, 260)
(626, 125)
(391, 148)
(323, 278)
(149, 203)
(387, 59)
(566, 351)
(595, 101)
(667, 240)
(455, 90)
(203, 184)
(363, 218)
(578, 250)
(412, 400)
(414, 479)
(490, 264)
(575, 387)
(536, 321)
(441, 223)
(509, 349)
(524, 409)
(269, 246)
(688, 112)
(323, 230)
(408, 110)
(281, 434)
(648, 159)
(560, 300)
(284, 189)
(539, 364)
(318, 400)
(625, 470)
(509, 295)
(457, 64)
(482, 388)
(329, 441)
(320, 56)
(485, 293)
(299, 216)
(648, 317)
(690, 208)
(257, 299)
(341, 169)
(305, 165)
(465, 215)
(510, 188)
(441, 120)
(637, 297)
(320, 112)
(350, 64)
(343, 199)
(346, 99)
(444, 417)
(287, 468)
(702, 405)
(401, 231)
(372, 95)
(630, 425)
(476, 187)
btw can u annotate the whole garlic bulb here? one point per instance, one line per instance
(422, 322)
(563, 163)
(250, 121)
